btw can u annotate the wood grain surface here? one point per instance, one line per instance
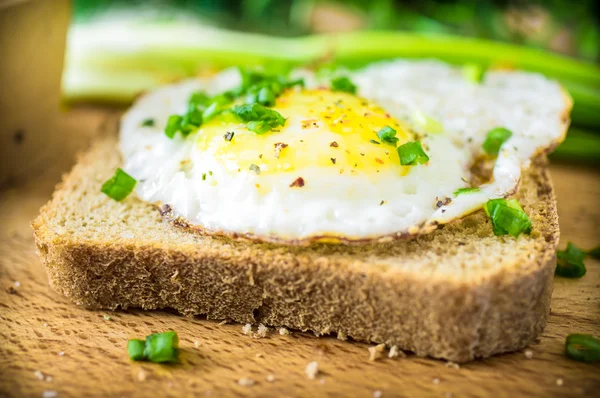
(49, 346)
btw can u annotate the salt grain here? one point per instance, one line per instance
(142, 376)
(246, 382)
(62, 353)
(312, 369)
(377, 394)
(453, 365)
(559, 382)
(49, 394)
(247, 329)
(39, 375)
(528, 354)
(283, 331)
(270, 378)
(262, 331)
(17, 284)
(436, 381)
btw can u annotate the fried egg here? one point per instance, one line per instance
(325, 175)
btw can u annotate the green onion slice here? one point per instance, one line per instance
(119, 186)
(162, 347)
(569, 263)
(388, 134)
(495, 138)
(582, 347)
(508, 217)
(342, 83)
(135, 349)
(412, 154)
(461, 191)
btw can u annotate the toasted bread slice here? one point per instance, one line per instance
(459, 293)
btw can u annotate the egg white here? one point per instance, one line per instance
(352, 205)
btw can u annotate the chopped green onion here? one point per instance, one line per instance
(173, 125)
(427, 123)
(203, 176)
(508, 217)
(461, 191)
(162, 347)
(473, 73)
(342, 83)
(495, 138)
(119, 186)
(582, 347)
(412, 154)
(388, 134)
(148, 123)
(595, 252)
(135, 349)
(569, 263)
(259, 119)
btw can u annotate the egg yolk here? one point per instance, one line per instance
(323, 128)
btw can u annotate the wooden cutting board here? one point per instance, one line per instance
(49, 345)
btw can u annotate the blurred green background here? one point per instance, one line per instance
(118, 48)
(567, 27)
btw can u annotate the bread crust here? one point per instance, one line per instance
(399, 293)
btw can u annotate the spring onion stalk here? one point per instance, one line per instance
(580, 146)
(113, 61)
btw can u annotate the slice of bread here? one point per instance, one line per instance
(459, 293)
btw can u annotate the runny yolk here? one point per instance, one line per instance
(323, 129)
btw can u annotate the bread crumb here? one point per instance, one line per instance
(262, 331)
(142, 376)
(395, 352)
(61, 353)
(283, 331)
(559, 382)
(247, 329)
(342, 336)
(375, 352)
(436, 381)
(246, 382)
(260, 355)
(377, 394)
(270, 378)
(49, 394)
(196, 343)
(38, 375)
(453, 365)
(528, 354)
(312, 369)
(223, 322)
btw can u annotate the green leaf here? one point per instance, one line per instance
(461, 191)
(119, 186)
(259, 119)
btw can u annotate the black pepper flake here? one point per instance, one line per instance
(382, 202)
(255, 168)
(229, 135)
(279, 146)
(333, 160)
(374, 142)
(443, 202)
(334, 144)
(298, 182)
(260, 156)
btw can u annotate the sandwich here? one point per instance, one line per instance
(407, 203)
